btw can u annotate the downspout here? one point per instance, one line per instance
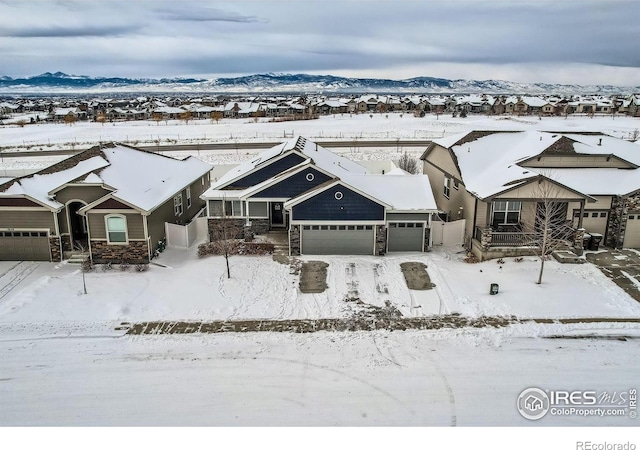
(473, 225)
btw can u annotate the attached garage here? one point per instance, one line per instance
(337, 240)
(24, 245)
(405, 237)
(632, 232)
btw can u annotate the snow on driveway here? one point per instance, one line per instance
(260, 288)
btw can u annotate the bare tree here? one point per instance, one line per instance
(225, 233)
(548, 224)
(86, 264)
(408, 163)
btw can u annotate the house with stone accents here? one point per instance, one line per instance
(111, 200)
(326, 204)
(490, 179)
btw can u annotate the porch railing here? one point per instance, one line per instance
(513, 239)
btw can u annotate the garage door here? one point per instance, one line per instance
(337, 240)
(632, 232)
(24, 246)
(405, 237)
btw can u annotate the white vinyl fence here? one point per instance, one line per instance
(447, 233)
(185, 235)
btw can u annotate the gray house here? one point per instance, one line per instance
(326, 203)
(112, 200)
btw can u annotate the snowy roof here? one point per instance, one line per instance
(142, 179)
(610, 181)
(323, 158)
(402, 192)
(39, 185)
(489, 163)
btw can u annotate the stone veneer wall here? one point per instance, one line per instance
(66, 243)
(234, 224)
(617, 226)
(135, 252)
(54, 244)
(294, 240)
(381, 240)
(427, 233)
(259, 226)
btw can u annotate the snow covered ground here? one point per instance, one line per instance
(260, 288)
(361, 126)
(444, 378)
(65, 363)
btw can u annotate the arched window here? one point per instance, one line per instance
(116, 226)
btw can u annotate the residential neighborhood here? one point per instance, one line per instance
(27, 110)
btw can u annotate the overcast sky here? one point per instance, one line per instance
(560, 41)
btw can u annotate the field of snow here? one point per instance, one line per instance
(260, 288)
(360, 126)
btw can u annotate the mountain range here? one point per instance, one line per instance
(59, 82)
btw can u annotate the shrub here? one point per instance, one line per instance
(239, 248)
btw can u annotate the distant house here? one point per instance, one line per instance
(325, 203)
(489, 179)
(113, 200)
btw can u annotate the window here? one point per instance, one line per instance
(177, 205)
(594, 214)
(506, 213)
(116, 229)
(447, 186)
(456, 185)
(188, 192)
(233, 208)
(632, 217)
(604, 214)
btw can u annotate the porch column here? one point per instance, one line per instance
(581, 213)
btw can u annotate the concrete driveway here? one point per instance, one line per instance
(622, 266)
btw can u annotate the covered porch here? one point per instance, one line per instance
(513, 227)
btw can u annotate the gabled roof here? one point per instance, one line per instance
(322, 158)
(489, 162)
(140, 178)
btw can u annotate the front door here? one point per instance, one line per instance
(277, 214)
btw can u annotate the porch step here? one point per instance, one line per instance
(77, 259)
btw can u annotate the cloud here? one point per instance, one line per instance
(196, 13)
(68, 31)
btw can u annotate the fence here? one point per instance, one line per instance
(184, 236)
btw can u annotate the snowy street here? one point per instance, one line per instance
(452, 377)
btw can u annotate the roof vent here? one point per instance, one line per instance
(600, 141)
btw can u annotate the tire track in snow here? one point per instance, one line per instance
(14, 280)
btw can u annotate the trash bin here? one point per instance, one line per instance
(594, 242)
(585, 241)
(494, 289)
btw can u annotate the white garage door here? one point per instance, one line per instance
(405, 237)
(337, 240)
(24, 246)
(632, 232)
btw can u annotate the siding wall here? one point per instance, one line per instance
(98, 230)
(294, 185)
(458, 198)
(325, 206)
(568, 161)
(268, 171)
(27, 219)
(88, 194)
(166, 213)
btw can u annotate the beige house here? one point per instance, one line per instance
(493, 180)
(112, 201)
